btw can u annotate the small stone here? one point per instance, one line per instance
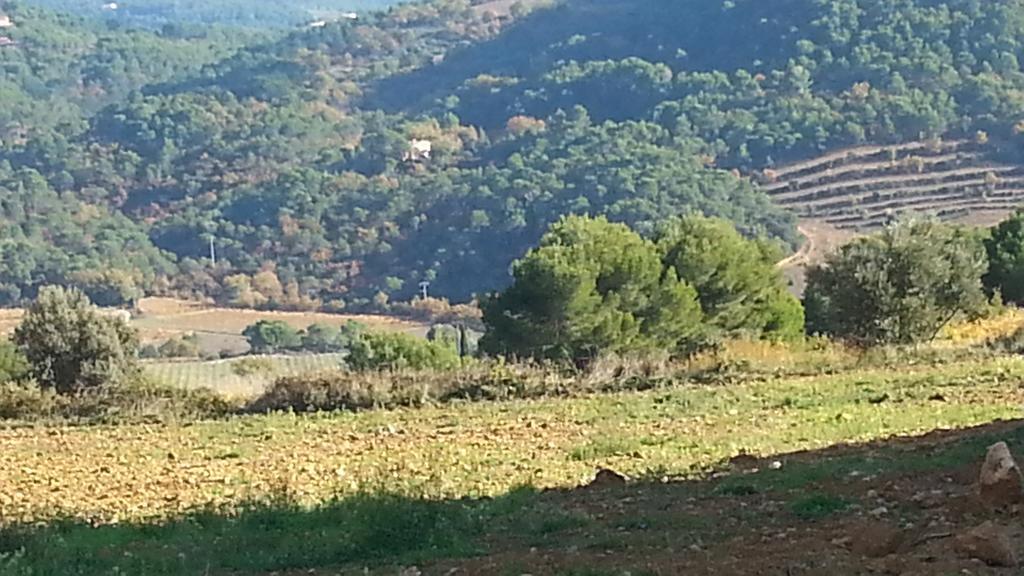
(776, 465)
(989, 543)
(876, 540)
(743, 461)
(1000, 483)
(608, 478)
(879, 512)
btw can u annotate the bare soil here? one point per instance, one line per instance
(886, 517)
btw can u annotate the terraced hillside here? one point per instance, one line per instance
(864, 187)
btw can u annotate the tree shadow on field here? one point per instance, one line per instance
(799, 513)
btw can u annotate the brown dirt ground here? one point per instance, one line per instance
(688, 528)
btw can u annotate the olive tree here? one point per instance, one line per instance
(900, 286)
(71, 347)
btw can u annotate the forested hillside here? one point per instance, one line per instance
(257, 14)
(343, 165)
(59, 69)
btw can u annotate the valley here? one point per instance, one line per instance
(511, 288)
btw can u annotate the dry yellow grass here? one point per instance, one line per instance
(985, 329)
(164, 314)
(9, 320)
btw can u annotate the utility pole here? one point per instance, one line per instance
(213, 252)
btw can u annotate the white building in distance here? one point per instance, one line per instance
(419, 150)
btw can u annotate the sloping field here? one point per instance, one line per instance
(860, 188)
(241, 377)
(440, 486)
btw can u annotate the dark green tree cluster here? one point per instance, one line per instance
(1005, 249)
(58, 70)
(594, 287)
(276, 336)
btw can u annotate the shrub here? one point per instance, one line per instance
(1009, 343)
(147, 402)
(13, 364)
(253, 366)
(409, 388)
(337, 391)
(133, 402)
(272, 336)
(186, 346)
(464, 340)
(479, 381)
(325, 338)
(70, 347)
(27, 402)
(397, 351)
(1005, 249)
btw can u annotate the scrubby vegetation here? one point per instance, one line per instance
(69, 362)
(593, 294)
(71, 348)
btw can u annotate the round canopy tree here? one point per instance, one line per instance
(590, 287)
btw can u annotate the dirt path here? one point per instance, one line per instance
(801, 256)
(820, 239)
